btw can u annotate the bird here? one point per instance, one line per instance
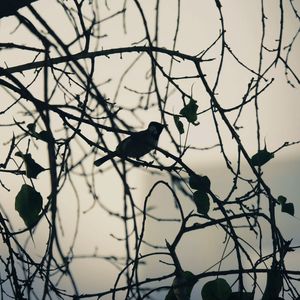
(136, 145)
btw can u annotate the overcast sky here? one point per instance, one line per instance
(279, 110)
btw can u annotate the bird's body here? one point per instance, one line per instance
(136, 145)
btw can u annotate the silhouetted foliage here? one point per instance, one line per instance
(93, 74)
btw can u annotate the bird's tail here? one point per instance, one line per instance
(103, 159)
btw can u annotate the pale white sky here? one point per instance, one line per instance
(279, 110)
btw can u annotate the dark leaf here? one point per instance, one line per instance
(31, 127)
(190, 112)
(288, 208)
(42, 135)
(28, 204)
(32, 168)
(261, 157)
(217, 289)
(45, 136)
(179, 124)
(170, 295)
(273, 286)
(200, 183)
(183, 285)
(201, 200)
(281, 200)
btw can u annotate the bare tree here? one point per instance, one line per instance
(78, 77)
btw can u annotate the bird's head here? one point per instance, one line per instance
(155, 128)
